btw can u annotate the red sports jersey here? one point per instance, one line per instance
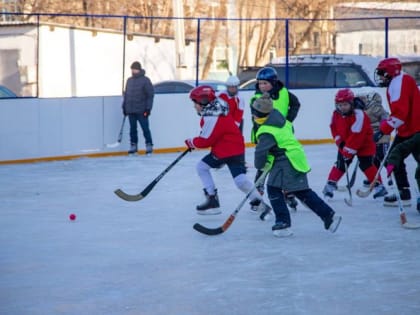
(222, 135)
(236, 106)
(404, 102)
(356, 132)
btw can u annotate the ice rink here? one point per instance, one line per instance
(144, 258)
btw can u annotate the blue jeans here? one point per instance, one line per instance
(144, 124)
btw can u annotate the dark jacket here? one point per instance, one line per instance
(138, 95)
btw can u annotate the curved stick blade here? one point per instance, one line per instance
(128, 197)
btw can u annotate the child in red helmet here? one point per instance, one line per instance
(353, 134)
(403, 98)
(220, 133)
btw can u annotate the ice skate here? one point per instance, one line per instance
(418, 204)
(210, 206)
(366, 183)
(291, 201)
(149, 149)
(392, 201)
(281, 229)
(380, 191)
(133, 148)
(332, 222)
(329, 189)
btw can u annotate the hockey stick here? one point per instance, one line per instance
(219, 230)
(352, 179)
(364, 194)
(120, 135)
(149, 187)
(403, 217)
(349, 201)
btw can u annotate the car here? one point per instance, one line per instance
(411, 65)
(318, 71)
(6, 93)
(185, 86)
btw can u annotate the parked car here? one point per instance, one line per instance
(318, 71)
(411, 65)
(6, 93)
(185, 86)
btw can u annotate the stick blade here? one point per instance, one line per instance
(113, 145)
(362, 193)
(207, 231)
(128, 197)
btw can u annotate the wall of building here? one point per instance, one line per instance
(62, 127)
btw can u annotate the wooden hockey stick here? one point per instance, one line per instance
(219, 230)
(145, 192)
(120, 135)
(403, 217)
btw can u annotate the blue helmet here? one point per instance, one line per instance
(267, 74)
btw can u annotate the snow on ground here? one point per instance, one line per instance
(144, 257)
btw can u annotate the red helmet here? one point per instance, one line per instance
(387, 68)
(344, 95)
(203, 94)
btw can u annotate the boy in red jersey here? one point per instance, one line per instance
(403, 97)
(353, 134)
(219, 133)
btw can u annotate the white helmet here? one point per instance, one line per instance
(232, 81)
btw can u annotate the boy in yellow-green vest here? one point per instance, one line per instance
(278, 149)
(284, 101)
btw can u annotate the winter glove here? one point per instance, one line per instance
(347, 156)
(389, 169)
(146, 113)
(189, 143)
(385, 128)
(124, 112)
(377, 136)
(340, 143)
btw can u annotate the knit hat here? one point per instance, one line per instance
(262, 106)
(136, 65)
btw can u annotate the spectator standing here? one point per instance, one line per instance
(137, 105)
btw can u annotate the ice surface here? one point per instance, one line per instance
(145, 258)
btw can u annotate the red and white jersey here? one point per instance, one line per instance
(404, 102)
(356, 132)
(219, 132)
(236, 106)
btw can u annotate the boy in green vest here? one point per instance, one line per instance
(285, 102)
(278, 149)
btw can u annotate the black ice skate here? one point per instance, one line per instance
(392, 201)
(332, 222)
(281, 229)
(291, 201)
(210, 206)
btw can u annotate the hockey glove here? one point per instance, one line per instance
(189, 143)
(385, 128)
(340, 143)
(377, 136)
